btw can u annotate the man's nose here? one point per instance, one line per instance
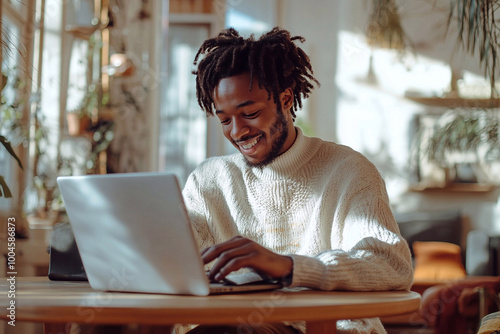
(239, 128)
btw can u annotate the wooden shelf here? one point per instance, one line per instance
(456, 102)
(191, 6)
(83, 32)
(457, 188)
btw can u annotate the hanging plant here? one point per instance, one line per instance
(384, 28)
(478, 32)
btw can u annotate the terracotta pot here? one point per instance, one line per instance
(77, 125)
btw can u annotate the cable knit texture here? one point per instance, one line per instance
(322, 203)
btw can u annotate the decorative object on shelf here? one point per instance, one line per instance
(84, 18)
(77, 124)
(144, 13)
(119, 65)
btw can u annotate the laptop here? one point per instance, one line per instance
(133, 234)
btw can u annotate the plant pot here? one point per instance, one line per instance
(77, 124)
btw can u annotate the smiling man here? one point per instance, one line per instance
(253, 122)
(302, 210)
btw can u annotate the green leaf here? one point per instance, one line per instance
(472, 24)
(4, 189)
(4, 82)
(478, 31)
(6, 143)
(461, 17)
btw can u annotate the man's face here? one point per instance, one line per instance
(251, 121)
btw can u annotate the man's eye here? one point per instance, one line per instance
(224, 121)
(252, 115)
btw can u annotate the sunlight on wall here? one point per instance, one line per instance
(374, 116)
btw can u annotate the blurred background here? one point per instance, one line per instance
(105, 86)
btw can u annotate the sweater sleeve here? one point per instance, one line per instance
(372, 255)
(198, 212)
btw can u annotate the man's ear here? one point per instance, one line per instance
(286, 99)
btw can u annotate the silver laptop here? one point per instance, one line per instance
(133, 234)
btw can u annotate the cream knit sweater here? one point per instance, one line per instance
(324, 204)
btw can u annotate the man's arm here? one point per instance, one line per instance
(370, 265)
(372, 254)
(196, 208)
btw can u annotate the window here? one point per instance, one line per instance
(183, 133)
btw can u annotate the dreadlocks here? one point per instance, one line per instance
(274, 60)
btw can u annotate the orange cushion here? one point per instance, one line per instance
(437, 260)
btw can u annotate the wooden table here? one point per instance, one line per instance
(58, 303)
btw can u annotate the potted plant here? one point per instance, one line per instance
(79, 121)
(463, 140)
(9, 119)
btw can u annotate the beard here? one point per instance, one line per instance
(281, 127)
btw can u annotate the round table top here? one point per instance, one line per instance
(38, 299)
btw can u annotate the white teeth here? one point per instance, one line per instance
(251, 144)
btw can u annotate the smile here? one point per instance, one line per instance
(249, 144)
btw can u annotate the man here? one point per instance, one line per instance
(308, 212)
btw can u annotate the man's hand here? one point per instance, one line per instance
(239, 252)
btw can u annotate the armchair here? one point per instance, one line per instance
(457, 274)
(449, 275)
(457, 307)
